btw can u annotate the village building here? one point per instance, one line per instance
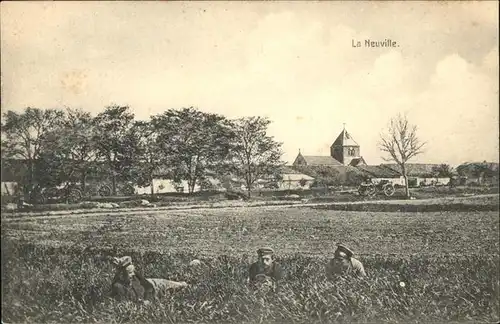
(343, 166)
(479, 173)
(343, 151)
(419, 174)
(345, 160)
(293, 179)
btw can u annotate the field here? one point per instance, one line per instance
(422, 267)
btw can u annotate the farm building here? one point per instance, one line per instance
(344, 151)
(164, 186)
(420, 174)
(479, 172)
(293, 179)
(163, 183)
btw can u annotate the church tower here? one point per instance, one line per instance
(346, 150)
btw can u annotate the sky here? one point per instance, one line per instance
(293, 62)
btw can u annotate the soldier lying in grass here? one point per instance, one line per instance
(343, 263)
(129, 284)
(266, 272)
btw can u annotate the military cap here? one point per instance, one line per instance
(345, 250)
(123, 261)
(265, 251)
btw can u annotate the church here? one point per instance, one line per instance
(345, 157)
(343, 152)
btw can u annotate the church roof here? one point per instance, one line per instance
(345, 139)
(320, 160)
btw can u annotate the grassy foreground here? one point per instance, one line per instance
(422, 267)
(54, 285)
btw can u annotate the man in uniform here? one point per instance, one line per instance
(343, 263)
(131, 284)
(266, 271)
(127, 283)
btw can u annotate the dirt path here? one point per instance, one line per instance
(187, 208)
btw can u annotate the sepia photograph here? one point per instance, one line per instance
(250, 162)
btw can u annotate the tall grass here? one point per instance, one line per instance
(44, 284)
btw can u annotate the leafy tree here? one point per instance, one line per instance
(401, 143)
(354, 177)
(149, 157)
(254, 154)
(23, 134)
(116, 142)
(193, 142)
(324, 175)
(442, 171)
(69, 151)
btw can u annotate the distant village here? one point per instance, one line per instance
(346, 166)
(343, 167)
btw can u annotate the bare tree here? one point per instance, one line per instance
(401, 143)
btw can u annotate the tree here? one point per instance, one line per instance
(23, 134)
(69, 149)
(254, 154)
(354, 177)
(193, 142)
(150, 157)
(401, 143)
(116, 142)
(324, 175)
(442, 171)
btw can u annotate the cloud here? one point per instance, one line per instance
(293, 63)
(457, 114)
(490, 63)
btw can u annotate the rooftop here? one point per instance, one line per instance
(345, 139)
(320, 160)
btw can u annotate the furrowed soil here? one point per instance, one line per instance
(422, 266)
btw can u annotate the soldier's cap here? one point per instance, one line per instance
(343, 249)
(122, 262)
(265, 251)
(130, 269)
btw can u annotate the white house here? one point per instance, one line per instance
(296, 181)
(164, 186)
(421, 174)
(292, 179)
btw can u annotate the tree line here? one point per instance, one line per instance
(70, 145)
